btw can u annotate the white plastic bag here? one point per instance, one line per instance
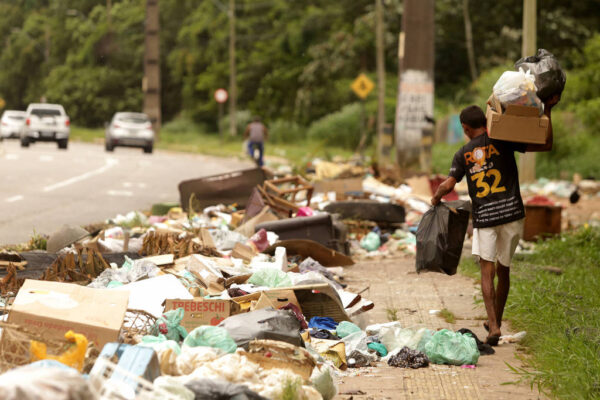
(517, 87)
(395, 338)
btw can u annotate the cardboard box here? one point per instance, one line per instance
(276, 299)
(55, 308)
(517, 124)
(200, 311)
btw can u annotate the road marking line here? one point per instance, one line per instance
(127, 184)
(110, 162)
(11, 156)
(46, 158)
(122, 193)
(14, 198)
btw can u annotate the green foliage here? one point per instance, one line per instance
(582, 92)
(282, 131)
(442, 155)
(575, 150)
(342, 128)
(182, 125)
(89, 94)
(37, 241)
(242, 119)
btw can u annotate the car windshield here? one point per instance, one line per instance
(133, 119)
(45, 112)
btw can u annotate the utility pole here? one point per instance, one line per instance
(151, 82)
(108, 18)
(380, 80)
(469, 40)
(414, 107)
(232, 72)
(527, 160)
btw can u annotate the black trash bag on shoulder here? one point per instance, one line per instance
(550, 79)
(208, 389)
(440, 237)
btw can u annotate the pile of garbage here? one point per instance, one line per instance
(238, 290)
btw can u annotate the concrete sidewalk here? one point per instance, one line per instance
(394, 284)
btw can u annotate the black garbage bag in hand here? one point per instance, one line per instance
(440, 237)
(550, 79)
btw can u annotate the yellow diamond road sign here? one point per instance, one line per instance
(362, 86)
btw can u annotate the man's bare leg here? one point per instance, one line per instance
(489, 298)
(502, 288)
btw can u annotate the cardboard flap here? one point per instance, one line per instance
(522, 111)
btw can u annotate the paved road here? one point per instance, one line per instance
(43, 188)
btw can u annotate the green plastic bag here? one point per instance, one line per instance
(447, 347)
(211, 336)
(270, 277)
(160, 342)
(379, 348)
(346, 328)
(371, 242)
(168, 325)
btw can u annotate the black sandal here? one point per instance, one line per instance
(493, 340)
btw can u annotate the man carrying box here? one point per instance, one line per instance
(498, 211)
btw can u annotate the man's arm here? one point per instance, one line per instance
(247, 132)
(446, 187)
(550, 139)
(266, 132)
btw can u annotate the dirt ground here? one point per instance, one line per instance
(394, 284)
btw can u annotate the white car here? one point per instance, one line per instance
(46, 123)
(11, 124)
(130, 129)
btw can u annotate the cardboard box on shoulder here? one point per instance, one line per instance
(55, 308)
(517, 124)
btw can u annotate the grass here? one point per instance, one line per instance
(559, 313)
(188, 140)
(448, 316)
(392, 313)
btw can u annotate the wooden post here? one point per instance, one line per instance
(380, 80)
(151, 81)
(232, 72)
(528, 48)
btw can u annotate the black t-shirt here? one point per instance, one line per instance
(492, 178)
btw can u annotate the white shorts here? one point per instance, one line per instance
(498, 243)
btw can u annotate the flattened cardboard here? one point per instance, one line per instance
(55, 308)
(276, 299)
(207, 272)
(309, 248)
(200, 311)
(518, 124)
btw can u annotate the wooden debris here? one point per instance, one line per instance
(10, 283)
(283, 194)
(69, 268)
(178, 244)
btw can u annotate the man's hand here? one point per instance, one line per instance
(551, 102)
(446, 187)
